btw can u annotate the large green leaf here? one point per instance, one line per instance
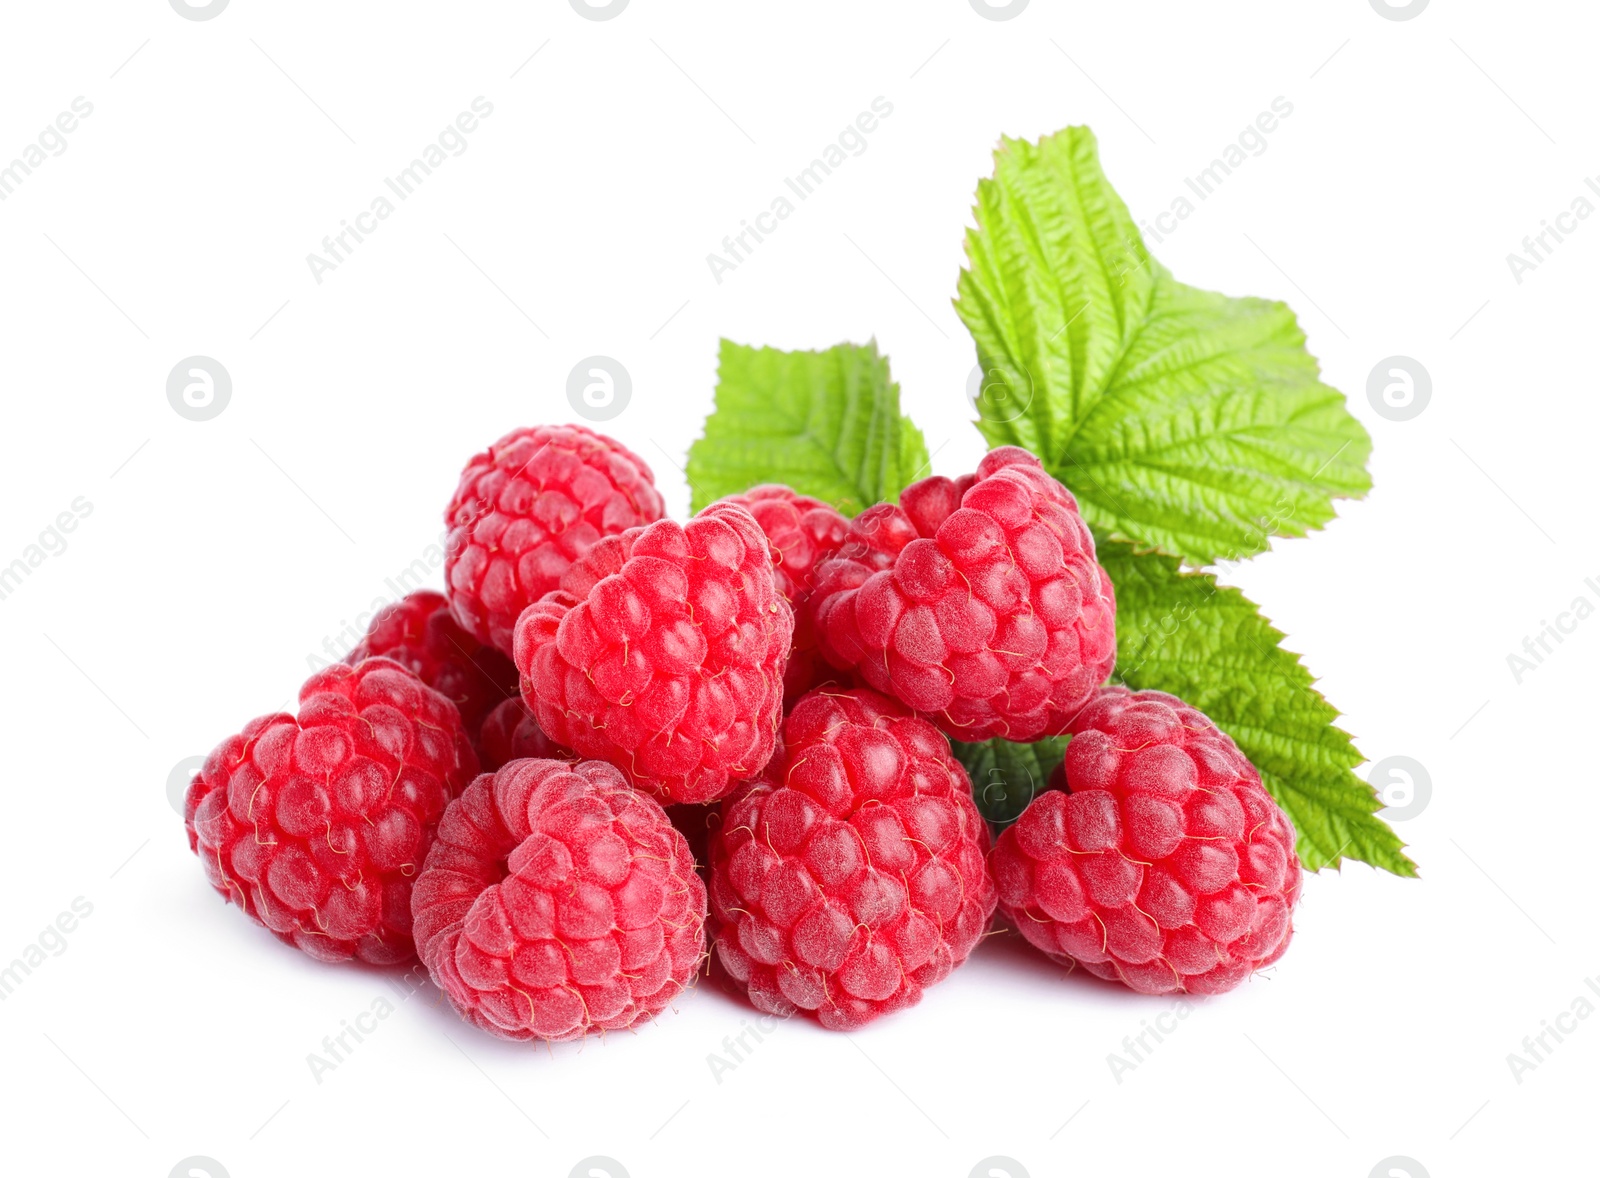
(1183, 633)
(1183, 420)
(826, 423)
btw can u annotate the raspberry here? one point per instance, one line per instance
(803, 532)
(975, 601)
(852, 878)
(510, 733)
(317, 825)
(558, 901)
(1166, 865)
(663, 653)
(529, 506)
(418, 633)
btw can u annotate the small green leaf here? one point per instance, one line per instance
(1007, 776)
(826, 423)
(1208, 644)
(1183, 420)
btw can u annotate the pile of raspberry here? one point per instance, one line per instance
(619, 749)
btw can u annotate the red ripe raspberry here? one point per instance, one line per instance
(803, 532)
(1166, 866)
(317, 825)
(558, 901)
(852, 878)
(978, 602)
(510, 733)
(663, 653)
(529, 506)
(418, 633)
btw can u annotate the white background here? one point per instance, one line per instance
(218, 556)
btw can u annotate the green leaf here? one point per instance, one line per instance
(1183, 420)
(826, 423)
(1007, 776)
(1183, 633)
